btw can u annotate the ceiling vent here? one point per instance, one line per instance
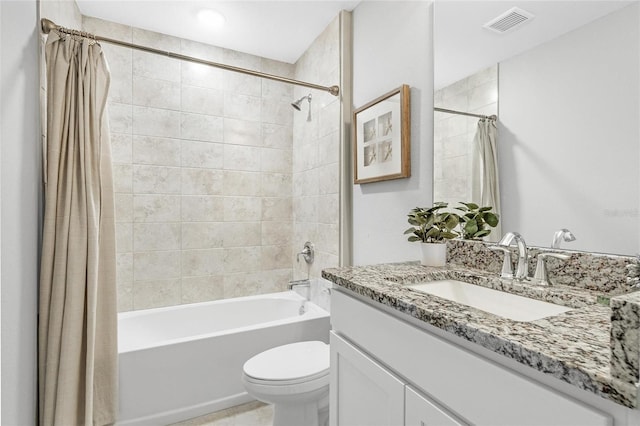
(509, 21)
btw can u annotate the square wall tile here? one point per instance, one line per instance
(201, 182)
(202, 289)
(151, 92)
(151, 65)
(156, 236)
(202, 262)
(202, 235)
(242, 234)
(156, 293)
(120, 117)
(242, 259)
(202, 154)
(276, 257)
(201, 100)
(276, 184)
(156, 208)
(237, 183)
(202, 208)
(200, 127)
(240, 157)
(157, 151)
(156, 180)
(277, 209)
(276, 160)
(242, 209)
(121, 148)
(156, 265)
(277, 136)
(156, 122)
(242, 107)
(242, 132)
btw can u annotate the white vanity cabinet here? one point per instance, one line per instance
(367, 394)
(386, 371)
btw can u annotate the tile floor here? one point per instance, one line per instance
(250, 414)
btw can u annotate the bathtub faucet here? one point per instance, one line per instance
(297, 283)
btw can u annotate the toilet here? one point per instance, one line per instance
(295, 379)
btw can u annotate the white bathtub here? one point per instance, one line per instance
(185, 361)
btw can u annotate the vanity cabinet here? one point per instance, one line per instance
(367, 394)
(383, 368)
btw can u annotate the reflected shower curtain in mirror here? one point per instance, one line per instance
(485, 189)
(77, 348)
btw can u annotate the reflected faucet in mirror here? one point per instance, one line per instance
(560, 236)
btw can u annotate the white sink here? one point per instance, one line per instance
(511, 306)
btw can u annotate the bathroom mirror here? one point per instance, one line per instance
(565, 85)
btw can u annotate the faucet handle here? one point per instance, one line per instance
(540, 276)
(507, 266)
(307, 253)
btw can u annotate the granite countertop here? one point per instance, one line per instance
(575, 346)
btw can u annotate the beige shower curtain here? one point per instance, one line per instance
(485, 183)
(77, 356)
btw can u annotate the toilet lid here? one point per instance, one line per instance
(290, 362)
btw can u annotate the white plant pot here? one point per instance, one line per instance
(434, 254)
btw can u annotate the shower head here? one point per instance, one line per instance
(297, 105)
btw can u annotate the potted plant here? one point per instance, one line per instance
(432, 226)
(475, 220)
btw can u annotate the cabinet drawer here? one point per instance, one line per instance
(419, 411)
(476, 389)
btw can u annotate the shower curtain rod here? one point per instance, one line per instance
(450, 111)
(48, 25)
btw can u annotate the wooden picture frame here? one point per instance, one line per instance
(382, 138)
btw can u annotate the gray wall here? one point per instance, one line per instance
(21, 206)
(568, 137)
(392, 45)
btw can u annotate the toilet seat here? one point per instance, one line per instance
(290, 364)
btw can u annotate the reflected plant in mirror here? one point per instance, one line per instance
(475, 221)
(565, 89)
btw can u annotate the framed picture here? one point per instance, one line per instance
(382, 139)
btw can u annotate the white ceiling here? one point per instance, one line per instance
(280, 30)
(462, 47)
(283, 30)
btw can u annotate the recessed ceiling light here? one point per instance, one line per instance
(211, 18)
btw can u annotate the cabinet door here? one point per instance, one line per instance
(422, 412)
(363, 393)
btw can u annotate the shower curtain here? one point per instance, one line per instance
(77, 348)
(484, 175)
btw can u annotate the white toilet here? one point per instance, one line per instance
(295, 378)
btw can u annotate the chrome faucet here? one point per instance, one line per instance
(522, 270)
(560, 236)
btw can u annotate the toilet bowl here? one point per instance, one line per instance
(295, 379)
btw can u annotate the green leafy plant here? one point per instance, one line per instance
(431, 225)
(475, 220)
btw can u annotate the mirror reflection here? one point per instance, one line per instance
(564, 86)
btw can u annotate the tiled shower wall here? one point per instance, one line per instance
(315, 156)
(453, 134)
(203, 172)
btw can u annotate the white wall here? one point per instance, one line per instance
(392, 45)
(568, 137)
(21, 205)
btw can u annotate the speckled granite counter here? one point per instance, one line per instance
(575, 347)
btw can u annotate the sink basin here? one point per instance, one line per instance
(506, 305)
